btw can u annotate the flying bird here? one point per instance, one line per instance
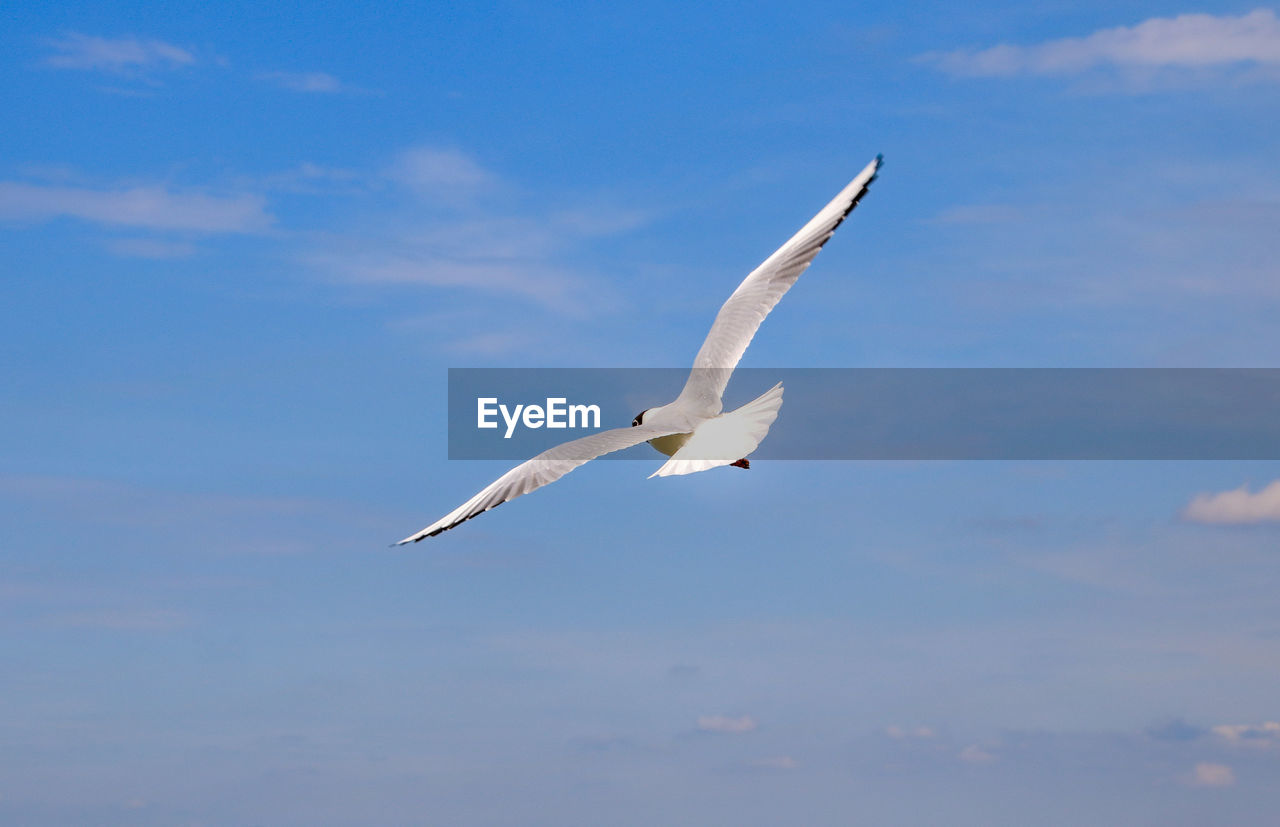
(692, 430)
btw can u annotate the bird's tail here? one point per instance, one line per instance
(726, 438)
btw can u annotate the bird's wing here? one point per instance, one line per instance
(740, 317)
(543, 469)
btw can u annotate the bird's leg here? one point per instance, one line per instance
(742, 463)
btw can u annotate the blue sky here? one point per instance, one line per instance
(243, 244)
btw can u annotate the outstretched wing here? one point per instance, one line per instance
(543, 469)
(740, 317)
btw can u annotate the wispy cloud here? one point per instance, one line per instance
(152, 207)
(1207, 774)
(441, 174)
(312, 82)
(1266, 734)
(453, 233)
(308, 178)
(413, 265)
(1239, 506)
(121, 55)
(726, 725)
(425, 219)
(1188, 41)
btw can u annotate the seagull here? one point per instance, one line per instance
(692, 431)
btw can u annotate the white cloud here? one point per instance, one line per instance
(1188, 41)
(313, 82)
(450, 234)
(723, 724)
(123, 55)
(308, 178)
(152, 207)
(1237, 507)
(463, 241)
(974, 754)
(1266, 734)
(1211, 775)
(442, 174)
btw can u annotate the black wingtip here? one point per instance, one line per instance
(875, 173)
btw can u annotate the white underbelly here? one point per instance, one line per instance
(670, 444)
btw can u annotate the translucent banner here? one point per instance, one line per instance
(893, 414)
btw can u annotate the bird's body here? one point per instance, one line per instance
(691, 430)
(669, 445)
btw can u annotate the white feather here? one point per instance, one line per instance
(727, 438)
